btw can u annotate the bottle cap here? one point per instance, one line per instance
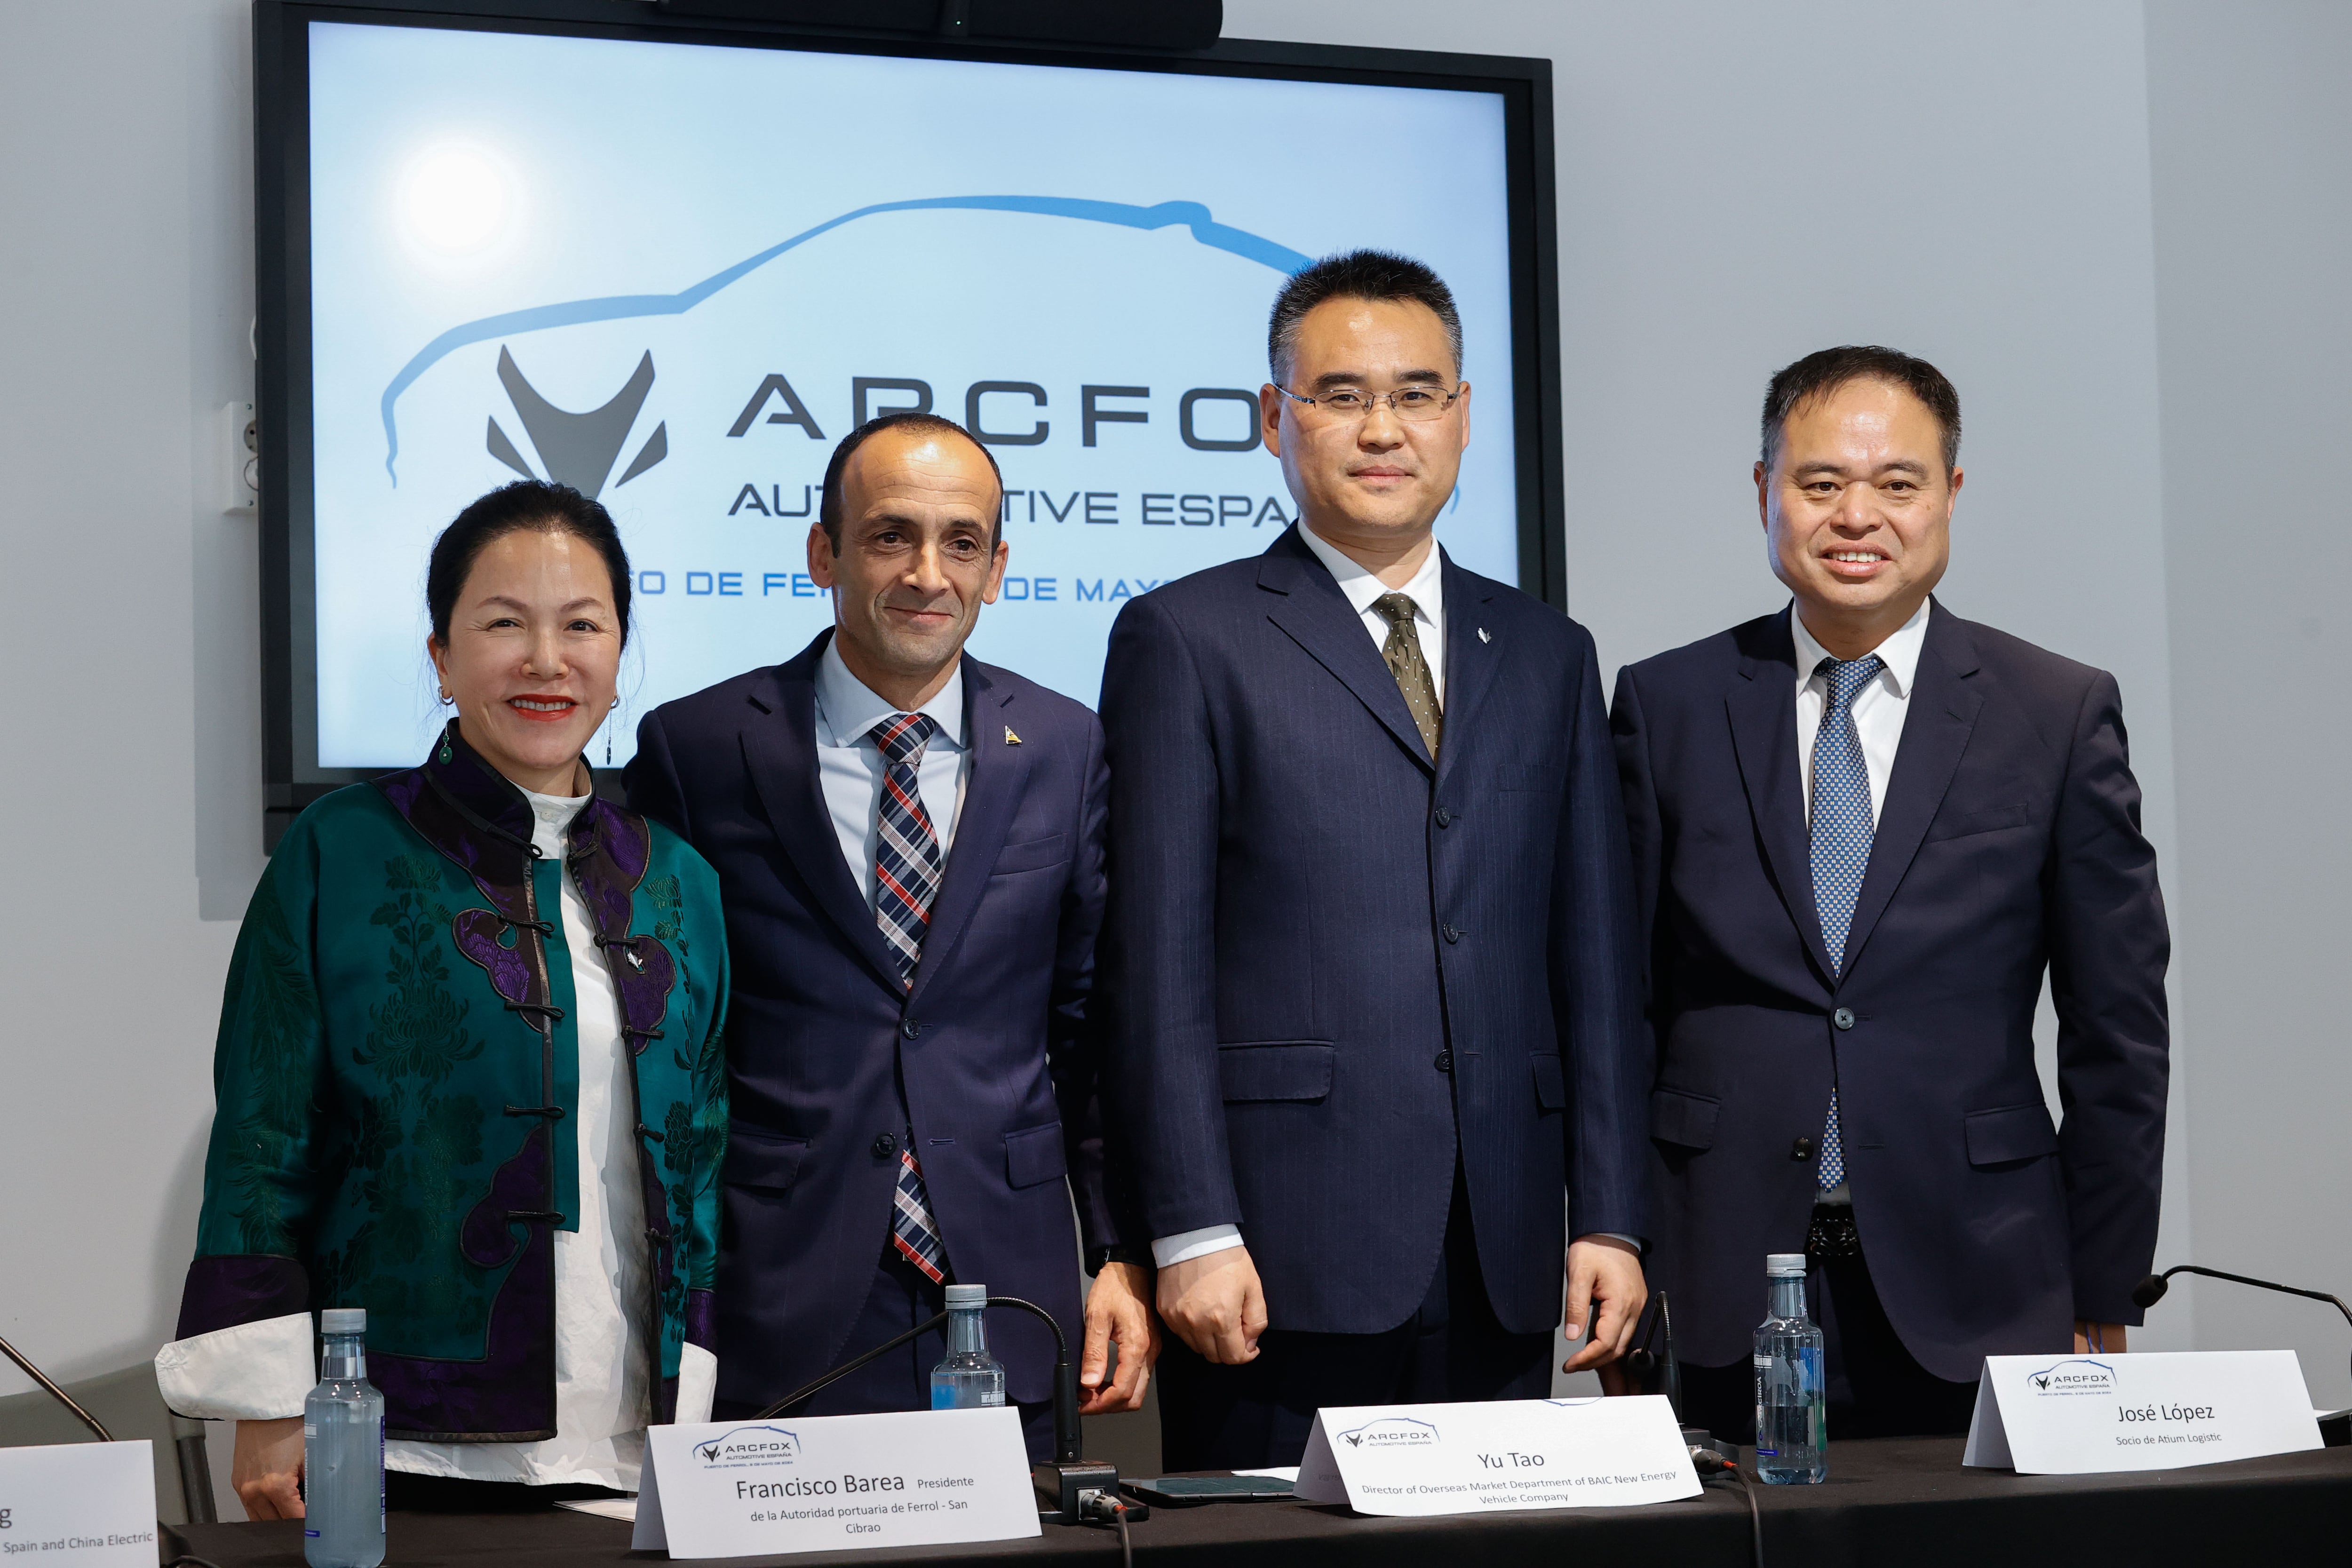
(1784, 1265)
(967, 1296)
(343, 1321)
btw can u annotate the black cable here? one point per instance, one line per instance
(1755, 1514)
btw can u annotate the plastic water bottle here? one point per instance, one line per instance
(970, 1378)
(1791, 1395)
(342, 1451)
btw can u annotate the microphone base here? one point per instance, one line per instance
(2336, 1431)
(1063, 1485)
(1700, 1437)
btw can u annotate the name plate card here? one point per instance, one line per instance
(1424, 1459)
(2074, 1415)
(91, 1505)
(827, 1483)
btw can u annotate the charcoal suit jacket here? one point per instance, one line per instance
(832, 1060)
(1335, 966)
(2008, 848)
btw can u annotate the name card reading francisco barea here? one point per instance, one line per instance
(1418, 1460)
(2073, 1415)
(923, 1478)
(90, 1505)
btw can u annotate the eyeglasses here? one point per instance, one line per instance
(1349, 403)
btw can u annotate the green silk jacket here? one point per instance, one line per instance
(398, 1079)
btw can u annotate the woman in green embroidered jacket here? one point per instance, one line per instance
(470, 1074)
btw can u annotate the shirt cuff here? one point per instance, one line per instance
(251, 1372)
(1185, 1246)
(697, 1380)
(1633, 1241)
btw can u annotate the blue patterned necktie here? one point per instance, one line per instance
(906, 868)
(1840, 843)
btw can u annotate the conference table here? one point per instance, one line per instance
(1891, 1501)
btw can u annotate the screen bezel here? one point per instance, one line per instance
(291, 775)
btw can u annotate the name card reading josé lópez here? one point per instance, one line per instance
(923, 1478)
(1493, 1458)
(89, 1505)
(2073, 1415)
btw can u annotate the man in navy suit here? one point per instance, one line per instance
(1369, 950)
(1864, 830)
(909, 848)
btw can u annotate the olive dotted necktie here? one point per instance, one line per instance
(1841, 830)
(1402, 653)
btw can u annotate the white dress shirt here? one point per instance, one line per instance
(1426, 590)
(264, 1370)
(850, 767)
(1879, 708)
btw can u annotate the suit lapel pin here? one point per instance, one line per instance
(637, 963)
(1010, 738)
(1483, 636)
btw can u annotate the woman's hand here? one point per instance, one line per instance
(268, 1469)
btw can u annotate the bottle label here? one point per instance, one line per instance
(992, 1398)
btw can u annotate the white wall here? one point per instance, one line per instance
(1739, 184)
(132, 702)
(2252, 136)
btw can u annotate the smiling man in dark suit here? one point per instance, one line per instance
(1864, 830)
(910, 848)
(1369, 951)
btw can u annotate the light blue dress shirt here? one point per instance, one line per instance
(850, 766)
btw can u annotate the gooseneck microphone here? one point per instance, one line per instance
(2334, 1430)
(54, 1392)
(1065, 1479)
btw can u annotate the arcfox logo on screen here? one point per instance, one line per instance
(1392, 1432)
(2075, 1376)
(750, 1446)
(578, 450)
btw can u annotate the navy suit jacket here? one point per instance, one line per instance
(989, 1058)
(1325, 956)
(2009, 844)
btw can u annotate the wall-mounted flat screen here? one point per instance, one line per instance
(672, 265)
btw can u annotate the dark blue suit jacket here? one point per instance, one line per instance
(989, 1057)
(1324, 956)
(2010, 843)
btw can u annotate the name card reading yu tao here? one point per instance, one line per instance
(91, 1505)
(923, 1478)
(1418, 1460)
(2073, 1415)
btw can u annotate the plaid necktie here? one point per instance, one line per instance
(907, 868)
(1402, 655)
(1842, 828)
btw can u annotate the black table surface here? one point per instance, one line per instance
(1892, 1502)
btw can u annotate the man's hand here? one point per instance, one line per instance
(1216, 1305)
(268, 1468)
(1116, 1312)
(1606, 1273)
(2107, 1338)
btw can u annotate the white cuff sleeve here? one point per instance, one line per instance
(253, 1371)
(1633, 1241)
(1185, 1246)
(697, 1382)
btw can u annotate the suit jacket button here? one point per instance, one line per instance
(1452, 933)
(910, 1028)
(1445, 817)
(1843, 1017)
(1445, 1062)
(884, 1146)
(1802, 1149)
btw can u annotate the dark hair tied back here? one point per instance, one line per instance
(524, 506)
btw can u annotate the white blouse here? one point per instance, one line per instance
(263, 1370)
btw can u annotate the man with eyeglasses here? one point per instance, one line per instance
(1369, 949)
